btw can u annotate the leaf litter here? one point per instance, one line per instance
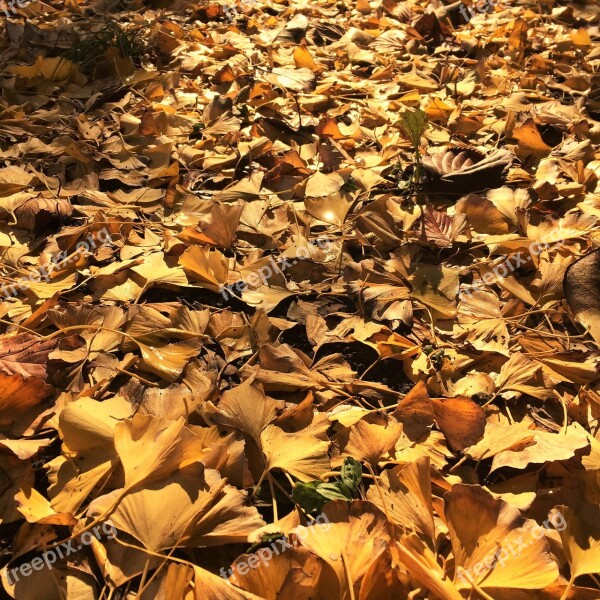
(270, 265)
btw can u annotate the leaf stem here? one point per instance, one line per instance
(568, 588)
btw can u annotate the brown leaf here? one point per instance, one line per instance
(465, 169)
(530, 140)
(441, 229)
(481, 527)
(38, 213)
(461, 420)
(582, 291)
(23, 374)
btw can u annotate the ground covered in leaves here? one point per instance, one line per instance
(300, 300)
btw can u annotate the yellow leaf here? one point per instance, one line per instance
(581, 37)
(405, 497)
(168, 361)
(485, 533)
(207, 266)
(54, 69)
(192, 506)
(581, 539)
(302, 454)
(150, 448)
(303, 58)
(351, 539)
(398, 347)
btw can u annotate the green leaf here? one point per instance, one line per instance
(313, 495)
(307, 496)
(414, 123)
(350, 186)
(334, 491)
(351, 473)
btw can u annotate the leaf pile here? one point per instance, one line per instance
(270, 264)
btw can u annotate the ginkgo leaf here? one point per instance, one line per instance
(208, 267)
(499, 437)
(119, 564)
(247, 408)
(286, 576)
(57, 584)
(88, 425)
(465, 86)
(461, 420)
(509, 202)
(433, 446)
(220, 230)
(228, 454)
(100, 328)
(12, 180)
(282, 369)
(54, 69)
(482, 215)
(330, 209)
(321, 184)
(421, 563)
(24, 449)
(303, 454)
(47, 289)
(155, 271)
(189, 506)
(208, 586)
(382, 581)
(581, 539)
(415, 412)
(530, 140)
(351, 539)
(150, 448)
(482, 530)
(480, 321)
(36, 509)
(87, 429)
(405, 497)
(396, 346)
(182, 581)
(298, 80)
(520, 375)
(303, 59)
(169, 360)
(347, 415)
(371, 440)
(71, 483)
(544, 447)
